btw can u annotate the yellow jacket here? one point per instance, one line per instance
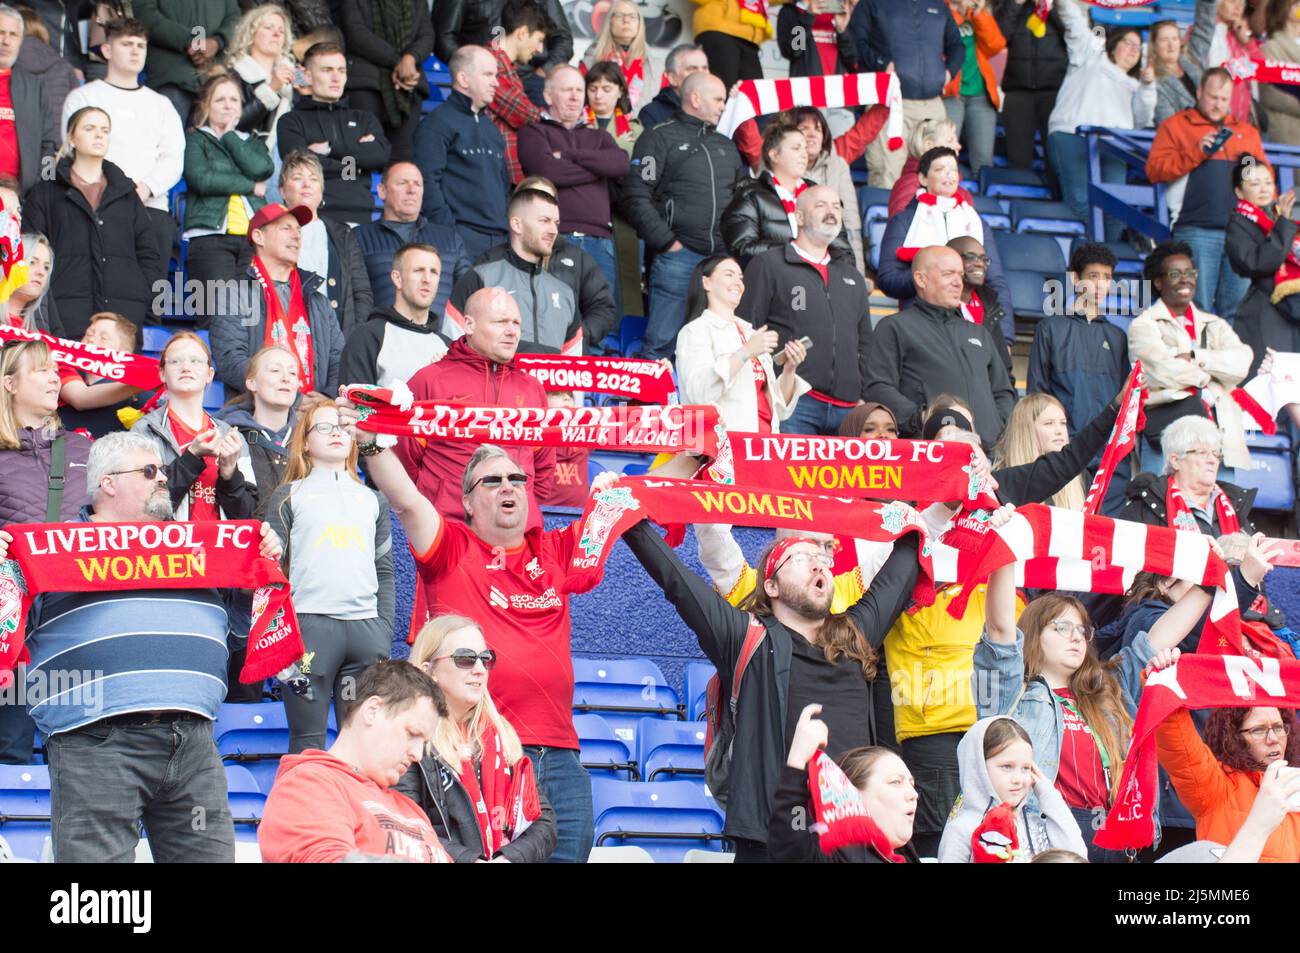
(724, 16)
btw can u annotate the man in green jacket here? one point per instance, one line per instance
(185, 37)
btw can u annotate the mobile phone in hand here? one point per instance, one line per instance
(1222, 136)
(779, 359)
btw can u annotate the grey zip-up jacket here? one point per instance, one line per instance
(236, 497)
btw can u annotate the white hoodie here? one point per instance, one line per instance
(1096, 92)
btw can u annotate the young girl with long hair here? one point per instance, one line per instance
(338, 557)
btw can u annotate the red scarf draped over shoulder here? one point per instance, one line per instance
(504, 796)
(290, 331)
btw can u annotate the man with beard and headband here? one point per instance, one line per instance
(807, 656)
(798, 291)
(495, 569)
(132, 740)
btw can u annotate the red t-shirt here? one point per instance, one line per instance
(514, 595)
(10, 160)
(764, 405)
(828, 50)
(1080, 776)
(203, 494)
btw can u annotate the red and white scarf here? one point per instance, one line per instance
(648, 381)
(504, 796)
(94, 557)
(973, 310)
(841, 819)
(1287, 279)
(1260, 70)
(134, 370)
(760, 97)
(622, 125)
(1123, 436)
(938, 220)
(1194, 681)
(1180, 516)
(788, 200)
(290, 331)
(754, 13)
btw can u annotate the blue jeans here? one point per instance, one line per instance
(1068, 155)
(105, 779)
(977, 126)
(566, 784)
(813, 416)
(670, 275)
(1219, 289)
(602, 252)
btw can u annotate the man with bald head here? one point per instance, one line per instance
(682, 177)
(479, 368)
(798, 291)
(582, 161)
(462, 155)
(931, 349)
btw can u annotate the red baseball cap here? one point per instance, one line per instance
(274, 211)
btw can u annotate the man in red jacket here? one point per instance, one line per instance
(478, 368)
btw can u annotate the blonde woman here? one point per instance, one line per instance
(475, 782)
(1035, 461)
(261, 58)
(29, 304)
(621, 40)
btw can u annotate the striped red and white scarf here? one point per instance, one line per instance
(760, 97)
(1180, 515)
(938, 220)
(788, 202)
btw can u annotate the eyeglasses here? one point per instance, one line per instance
(328, 429)
(1212, 454)
(1175, 273)
(186, 362)
(805, 559)
(972, 258)
(150, 471)
(494, 481)
(465, 658)
(1065, 627)
(1260, 733)
(624, 17)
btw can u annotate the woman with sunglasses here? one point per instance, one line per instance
(1078, 710)
(338, 557)
(474, 781)
(209, 473)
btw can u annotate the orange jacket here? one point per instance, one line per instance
(989, 42)
(1219, 797)
(1177, 150)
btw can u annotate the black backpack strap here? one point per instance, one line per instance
(58, 464)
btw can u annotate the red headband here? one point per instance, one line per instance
(779, 551)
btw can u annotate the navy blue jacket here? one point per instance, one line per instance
(660, 109)
(462, 156)
(894, 276)
(919, 37)
(1081, 363)
(379, 242)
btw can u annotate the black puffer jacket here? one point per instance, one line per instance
(106, 259)
(25, 490)
(684, 173)
(1032, 64)
(458, 22)
(755, 220)
(437, 789)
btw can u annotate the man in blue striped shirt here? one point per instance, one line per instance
(124, 686)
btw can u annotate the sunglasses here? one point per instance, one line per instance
(465, 658)
(494, 481)
(150, 471)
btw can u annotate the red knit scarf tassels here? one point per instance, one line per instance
(506, 800)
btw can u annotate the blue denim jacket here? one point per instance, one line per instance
(1000, 689)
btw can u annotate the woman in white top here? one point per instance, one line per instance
(1106, 86)
(723, 360)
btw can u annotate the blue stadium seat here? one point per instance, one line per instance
(1129, 259)
(1013, 183)
(630, 464)
(875, 233)
(1031, 292)
(601, 750)
(25, 808)
(992, 212)
(697, 682)
(670, 750)
(153, 339)
(256, 736)
(247, 801)
(1054, 218)
(667, 818)
(869, 196)
(1273, 476)
(1031, 253)
(1140, 18)
(623, 691)
(631, 334)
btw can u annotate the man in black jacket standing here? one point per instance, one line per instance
(350, 143)
(682, 177)
(799, 291)
(683, 60)
(931, 349)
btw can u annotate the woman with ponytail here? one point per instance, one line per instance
(474, 781)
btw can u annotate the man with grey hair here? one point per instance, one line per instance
(508, 578)
(683, 60)
(29, 130)
(132, 741)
